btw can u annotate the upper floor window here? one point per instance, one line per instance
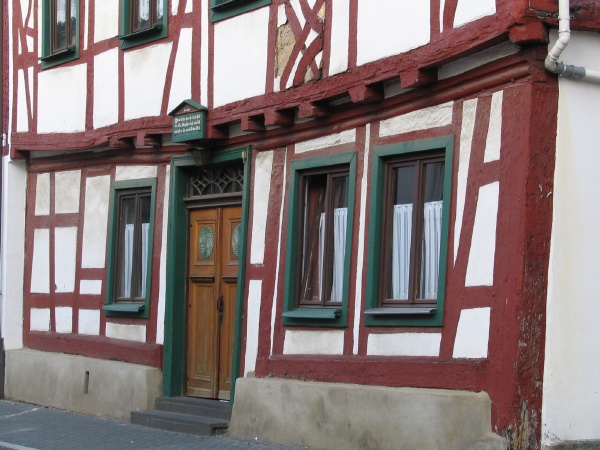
(60, 32)
(223, 9)
(408, 233)
(319, 236)
(142, 21)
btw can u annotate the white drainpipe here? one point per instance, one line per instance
(564, 34)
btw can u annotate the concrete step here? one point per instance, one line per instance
(195, 406)
(180, 423)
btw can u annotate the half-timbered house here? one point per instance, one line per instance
(362, 223)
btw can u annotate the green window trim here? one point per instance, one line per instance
(224, 9)
(316, 316)
(130, 38)
(51, 59)
(409, 316)
(127, 309)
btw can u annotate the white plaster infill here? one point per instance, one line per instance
(90, 287)
(89, 322)
(252, 324)
(473, 333)
(181, 88)
(240, 56)
(135, 333)
(42, 194)
(493, 143)
(65, 254)
(313, 342)
(470, 10)
(262, 190)
(106, 19)
(106, 94)
(66, 191)
(345, 137)
(480, 268)
(424, 119)
(403, 25)
(162, 277)
(95, 222)
(145, 73)
(404, 344)
(63, 318)
(40, 267)
(464, 160)
(39, 319)
(123, 173)
(67, 87)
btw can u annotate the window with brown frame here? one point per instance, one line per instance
(142, 21)
(145, 14)
(412, 223)
(408, 233)
(129, 266)
(60, 36)
(319, 240)
(63, 24)
(322, 237)
(132, 244)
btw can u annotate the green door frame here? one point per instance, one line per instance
(177, 236)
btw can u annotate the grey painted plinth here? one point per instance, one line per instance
(343, 416)
(76, 383)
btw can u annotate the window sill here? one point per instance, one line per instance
(125, 308)
(230, 8)
(314, 313)
(142, 36)
(63, 56)
(402, 311)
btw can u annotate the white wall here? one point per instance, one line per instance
(571, 402)
(14, 180)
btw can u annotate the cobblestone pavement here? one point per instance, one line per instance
(25, 427)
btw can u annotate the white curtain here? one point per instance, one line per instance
(144, 9)
(61, 11)
(340, 220)
(401, 235)
(430, 260)
(126, 273)
(144, 261)
(127, 261)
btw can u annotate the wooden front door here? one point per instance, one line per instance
(212, 286)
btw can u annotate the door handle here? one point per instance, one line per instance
(220, 307)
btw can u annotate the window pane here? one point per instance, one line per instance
(159, 10)
(402, 217)
(324, 238)
(73, 23)
(59, 25)
(126, 251)
(140, 290)
(314, 238)
(432, 230)
(140, 15)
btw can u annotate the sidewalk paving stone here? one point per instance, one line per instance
(25, 427)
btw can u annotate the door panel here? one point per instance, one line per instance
(212, 288)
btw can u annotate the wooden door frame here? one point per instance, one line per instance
(175, 298)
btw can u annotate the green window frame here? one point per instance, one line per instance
(380, 311)
(60, 44)
(130, 304)
(134, 34)
(224, 9)
(295, 311)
